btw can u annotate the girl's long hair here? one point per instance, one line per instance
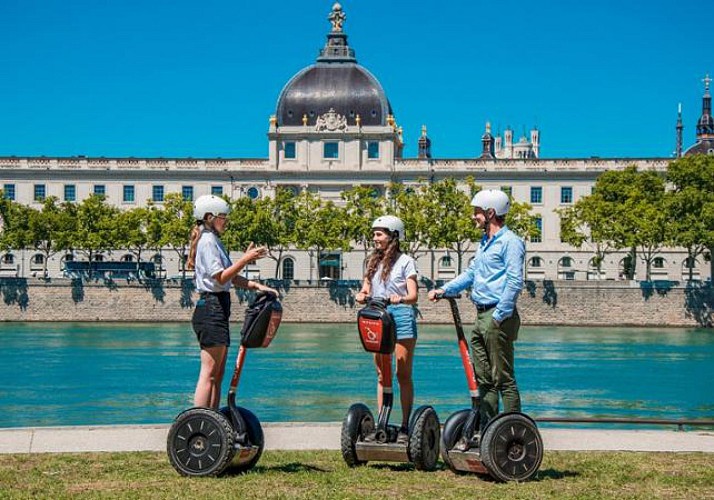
(193, 239)
(385, 257)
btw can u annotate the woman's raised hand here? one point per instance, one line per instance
(254, 253)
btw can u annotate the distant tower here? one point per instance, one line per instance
(535, 142)
(705, 125)
(508, 142)
(424, 145)
(680, 128)
(487, 150)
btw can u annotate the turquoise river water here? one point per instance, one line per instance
(99, 374)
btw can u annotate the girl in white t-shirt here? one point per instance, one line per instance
(215, 275)
(392, 275)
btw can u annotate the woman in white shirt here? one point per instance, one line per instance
(215, 274)
(392, 275)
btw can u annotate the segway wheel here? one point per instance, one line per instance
(255, 437)
(357, 424)
(511, 447)
(424, 439)
(200, 443)
(453, 429)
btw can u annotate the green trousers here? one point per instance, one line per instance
(492, 352)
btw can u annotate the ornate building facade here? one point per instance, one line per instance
(334, 128)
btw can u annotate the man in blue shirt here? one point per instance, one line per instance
(495, 276)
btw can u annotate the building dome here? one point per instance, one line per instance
(335, 83)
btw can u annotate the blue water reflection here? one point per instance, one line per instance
(97, 373)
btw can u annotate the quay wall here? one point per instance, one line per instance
(592, 303)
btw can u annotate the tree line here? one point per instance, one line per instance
(436, 215)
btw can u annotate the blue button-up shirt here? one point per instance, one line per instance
(495, 275)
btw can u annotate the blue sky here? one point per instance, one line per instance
(181, 78)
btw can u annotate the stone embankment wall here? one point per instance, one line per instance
(541, 303)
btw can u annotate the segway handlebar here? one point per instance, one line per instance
(445, 295)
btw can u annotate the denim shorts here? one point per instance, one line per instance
(210, 319)
(404, 320)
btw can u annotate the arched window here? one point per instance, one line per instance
(99, 258)
(288, 269)
(535, 262)
(8, 259)
(658, 263)
(565, 268)
(445, 261)
(127, 258)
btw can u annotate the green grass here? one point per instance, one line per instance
(323, 474)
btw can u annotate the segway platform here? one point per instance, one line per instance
(205, 442)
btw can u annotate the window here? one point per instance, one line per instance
(288, 269)
(373, 150)
(508, 190)
(38, 259)
(187, 193)
(539, 225)
(690, 263)
(445, 261)
(100, 190)
(127, 258)
(289, 148)
(70, 192)
(658, 263)
(331, 151)
(40, 192)
(253, 193)
(128, 195)
(8, 259)
(566, 195)
(217, 190)
(566, 262)
(8, 191)
(536, 194)
(536, 262)
(157, 193)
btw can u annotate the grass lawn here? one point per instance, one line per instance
(323, 474)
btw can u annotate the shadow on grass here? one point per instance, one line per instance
(291, 468)
(554, 474)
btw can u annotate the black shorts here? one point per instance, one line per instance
(210, 319)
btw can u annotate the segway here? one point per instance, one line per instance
(363, 439)
(205, 442)
(508, 448)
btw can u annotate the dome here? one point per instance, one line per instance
(347, 88)
(334, 83)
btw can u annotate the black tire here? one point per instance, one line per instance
(511, 447)
(424, 439)
(200, 443)
(453, 428)
(255, 436)
(357, 424)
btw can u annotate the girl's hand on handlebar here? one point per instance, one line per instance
(361, 297)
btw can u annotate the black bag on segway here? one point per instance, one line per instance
(376, 328)
(262, 319)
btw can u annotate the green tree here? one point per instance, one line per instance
(320, 226)
(96, 226)
(51, 229)
(177, 224)
(362, 207)
(690, 206)
(133, 230)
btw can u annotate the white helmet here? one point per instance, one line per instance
(390, 222)
(492, 198)
(210, 204)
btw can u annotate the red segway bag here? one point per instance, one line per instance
(376, 328)
(262, 319)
